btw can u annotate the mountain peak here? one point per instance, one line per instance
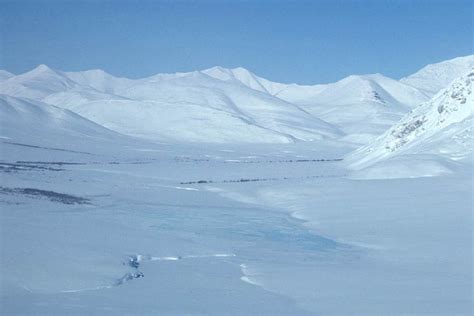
(365, 77)
(434, 77)
(223, 73)
(216, 68)
(5, 75)
(91, 73)
(41, 68)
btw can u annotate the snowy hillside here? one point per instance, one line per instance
(363, 105)
(246, 78)
(102, 223)
(37, 83)
(185, 107)
(442, 126)
(197, 107)
(435, 77)
(99, 80)
(53, 87)
(233, 105)
(367, 104)
(4, 75)
(34, 123)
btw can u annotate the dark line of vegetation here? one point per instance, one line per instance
(60, 163)
(256, 179)
(14, 167)
(50, 195)
(179, 159)
(48, 148)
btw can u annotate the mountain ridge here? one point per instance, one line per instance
(356, 108)
(441, 126)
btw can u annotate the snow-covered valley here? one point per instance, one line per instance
(219, 192)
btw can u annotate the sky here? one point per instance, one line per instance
(306, 42)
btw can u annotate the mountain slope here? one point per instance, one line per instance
(4, 75)
(52, 87)
(37, 83)
(99, 80)
(229, 105)
(362, 106)
(25, 121)
(246, 78)
(193, 106)
(442, 126)
(197, 107)
(359, 105)
(434, 77)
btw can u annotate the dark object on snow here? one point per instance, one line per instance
(50, 195)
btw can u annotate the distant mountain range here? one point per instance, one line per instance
(220, 105)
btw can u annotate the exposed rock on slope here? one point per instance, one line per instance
(442, 126)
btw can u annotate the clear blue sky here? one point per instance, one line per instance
(287, 41)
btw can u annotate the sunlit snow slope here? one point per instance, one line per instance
(220, 105)
(442, 126)
(4, 75)
(184, 107)
(362, 106)
(434, 77)
(31, 123)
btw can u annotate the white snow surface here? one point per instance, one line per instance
(441, 126)
(185, 107)
(434, 77)
(37, 83)
(26, 121)
(228, 105)
(4, 75)
(97, 222)
(358, 104)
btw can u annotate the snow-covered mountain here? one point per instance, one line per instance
(26, 120)
(246, 78)
(363, 105)
(185, 107)
(100, 80)
(4, 75)
(46, 84)
(434, 77)
(37, 83)
(34, 128)
(197, 107)
(442, 126)
(205, 106)
(233, 105)
(358, 105)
